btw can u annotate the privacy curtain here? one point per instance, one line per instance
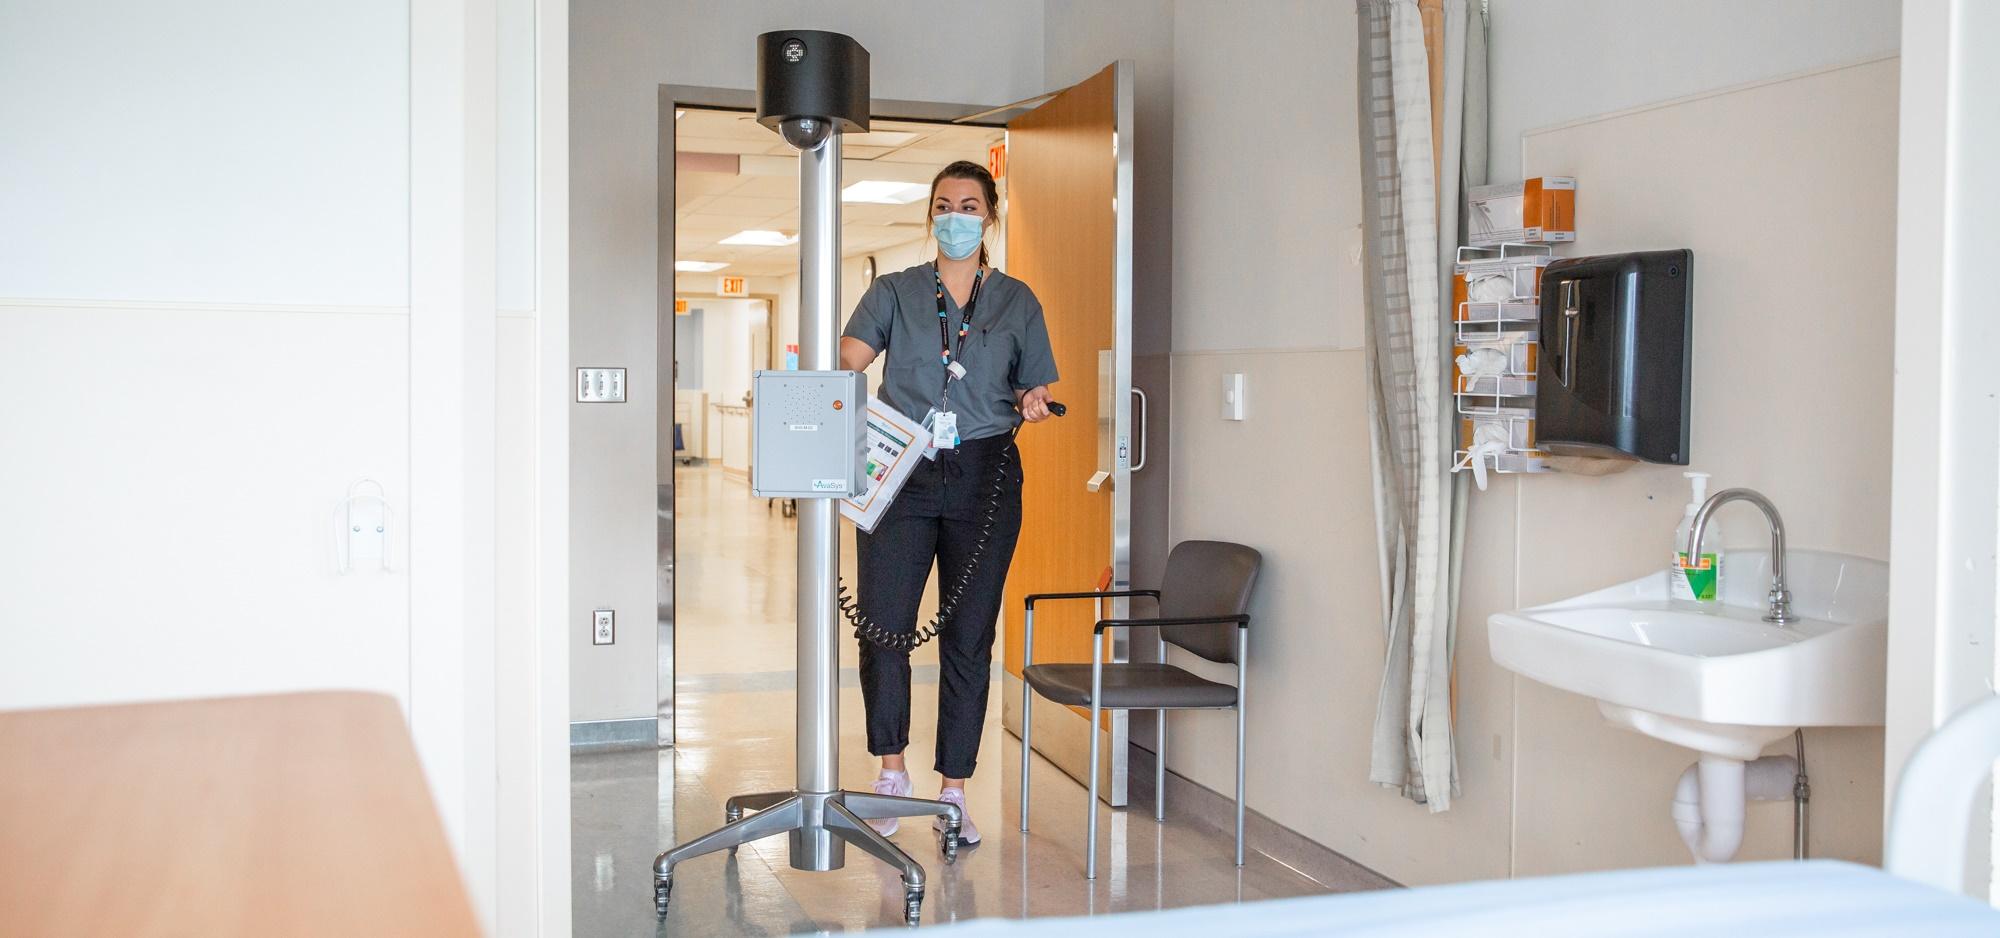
(1423, 138)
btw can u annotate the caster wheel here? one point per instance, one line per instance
(662, 888)
(913, 908)
(948, 844)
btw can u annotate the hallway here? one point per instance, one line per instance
(735, 735)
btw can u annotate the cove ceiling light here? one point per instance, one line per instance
(761, 238)
(884, 192)
(699, 267)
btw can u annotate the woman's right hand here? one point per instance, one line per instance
(1035, 404)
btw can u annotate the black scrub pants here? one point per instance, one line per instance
(937, 519)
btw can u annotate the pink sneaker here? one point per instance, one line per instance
(967, 833)
(891, 783)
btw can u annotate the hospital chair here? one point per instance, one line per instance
(1202, 607)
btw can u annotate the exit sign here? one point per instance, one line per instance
(996, 160)
(680, 307)
(732, 286)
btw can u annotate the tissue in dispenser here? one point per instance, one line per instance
(1616, 339)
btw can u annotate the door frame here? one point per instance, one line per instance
(509, 840)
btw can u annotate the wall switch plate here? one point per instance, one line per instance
(600, 385)
(603, 627)
(1232, 397)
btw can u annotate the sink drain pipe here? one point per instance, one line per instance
(1801, 802)
(1710, 799)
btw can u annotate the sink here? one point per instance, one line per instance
(1714, 677)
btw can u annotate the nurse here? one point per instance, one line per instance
(968, 354)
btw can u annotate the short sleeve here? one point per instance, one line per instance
(1037, 364)
(874, 317)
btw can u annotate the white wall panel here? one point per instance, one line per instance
(171, 477)
(227, 151)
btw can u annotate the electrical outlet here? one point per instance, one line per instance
(603, 627)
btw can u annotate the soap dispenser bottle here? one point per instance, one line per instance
(1694, 578)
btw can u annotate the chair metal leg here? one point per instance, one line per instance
(1242, 672)
(1090, 839)
(1027, 711)
(1096, 708)
(1160, 765)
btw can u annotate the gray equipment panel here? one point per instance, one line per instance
(809, 433)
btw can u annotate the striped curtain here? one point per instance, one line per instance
(1423, 134)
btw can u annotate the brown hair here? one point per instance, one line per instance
(966, 169)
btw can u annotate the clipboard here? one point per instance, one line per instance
(895, 445)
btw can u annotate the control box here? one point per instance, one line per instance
(809, 434)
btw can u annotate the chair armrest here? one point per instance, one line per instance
(1109, 594)
(1242, 622)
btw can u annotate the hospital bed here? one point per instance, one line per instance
(1813, 899)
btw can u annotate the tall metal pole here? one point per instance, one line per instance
(818, 739)
(812, 85)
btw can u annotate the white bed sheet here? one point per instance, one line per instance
(1818, 898)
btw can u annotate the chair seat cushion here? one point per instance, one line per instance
(1129, 686)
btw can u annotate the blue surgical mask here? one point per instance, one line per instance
(958, 234)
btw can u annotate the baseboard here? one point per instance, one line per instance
(1188, 801)
(607, 735)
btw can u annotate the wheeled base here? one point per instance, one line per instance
(820, 824)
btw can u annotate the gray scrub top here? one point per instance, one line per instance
(1006, 351)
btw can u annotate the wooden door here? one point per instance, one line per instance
(1069, 238)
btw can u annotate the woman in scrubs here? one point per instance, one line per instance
(968, 354)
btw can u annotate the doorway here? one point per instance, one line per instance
(732, 223)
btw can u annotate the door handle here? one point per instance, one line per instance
(1144, 407)
(1097, 480)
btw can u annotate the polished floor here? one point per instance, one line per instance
(735, 735)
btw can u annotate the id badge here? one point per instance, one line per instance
(944, 431)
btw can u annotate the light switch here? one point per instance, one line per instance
(600, 385)
(1232, 397)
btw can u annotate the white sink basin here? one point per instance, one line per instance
(1713, 676)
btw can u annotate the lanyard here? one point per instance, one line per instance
(944, 322)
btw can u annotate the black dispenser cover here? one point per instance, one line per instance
(809, 73)
(1616, 338)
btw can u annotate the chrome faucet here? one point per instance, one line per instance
(1780, 597)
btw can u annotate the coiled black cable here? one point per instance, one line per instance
(868, 630)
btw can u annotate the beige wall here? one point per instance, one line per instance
(1785, 211)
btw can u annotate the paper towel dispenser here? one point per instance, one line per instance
(1616, 337)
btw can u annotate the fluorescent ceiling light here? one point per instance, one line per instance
(761, 238)
(880, 138)
(884, 192)
(699, 267)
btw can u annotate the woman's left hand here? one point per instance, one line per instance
(1035, 404)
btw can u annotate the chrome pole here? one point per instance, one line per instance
(815, 847)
